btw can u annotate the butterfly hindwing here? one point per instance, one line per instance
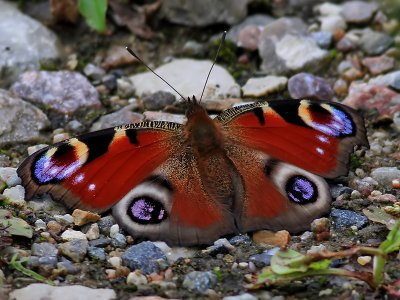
(95, 170)
(176, 205)
(276, 195)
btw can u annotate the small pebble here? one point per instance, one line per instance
(93, 232)
(82, 217)
(54, 227)
(136, 278)
(65, 220)
(363, 260)
(243, 265)
(280, 238)
(97, 254)
(115, 261)
(40, 224)
(69, 235)
(114, 230)
(320, 225)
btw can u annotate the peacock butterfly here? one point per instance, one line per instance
(255, 166)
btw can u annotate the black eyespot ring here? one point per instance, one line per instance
(146, 210)
(301, 190)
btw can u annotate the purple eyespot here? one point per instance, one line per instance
(301, 190)
(146, 210)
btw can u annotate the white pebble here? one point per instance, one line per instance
(93, 232)
(15, 195)
(66, 219)
(243, 265)
(114, 230)
(35, 148)
(69, 235)
(115, 261)
(136, 278)
(10, 176)
(355, 194)
(40, 224)
(363, 260)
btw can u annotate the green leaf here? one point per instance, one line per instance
(17, 265)
(15, 226)
(94, 12)
(290, 261)
(286, 262)
(392, 242)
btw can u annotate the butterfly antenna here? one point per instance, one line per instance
(215, 60)
(139, 59)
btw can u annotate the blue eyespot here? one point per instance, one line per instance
(301, 190)
(146, 210)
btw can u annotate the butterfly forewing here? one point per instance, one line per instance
(95, 170)
(315, 136)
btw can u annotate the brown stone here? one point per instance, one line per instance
(270, 238)
(379, 64)
(82, 217)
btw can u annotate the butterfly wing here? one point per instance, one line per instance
(144, 171)
(315, 136)
(276, 147)
(95, 170)
(175, 204)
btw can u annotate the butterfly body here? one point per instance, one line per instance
(255, 166)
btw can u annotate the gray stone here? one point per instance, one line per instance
(258, 20)
(94, 72)
(193, 49)
(385, 175)
(20, 122)
(391, 79)
(199, 282)
(203, 13)
(323, 38)
(263, 259)
(286, 46)
(262, 86)
(158, 100)
(105, 224)
(10, 176)
(358, 12)
(337, 190)
(220, 84)
(244, 296)
(374, 42)
(41, 291)
(238, 240)
(344, 219)
(24, 42)
(144, 257)
(65, 93)
(67, 267)
(305, 86)
(47, 264)
(15, 195)
(119, 241)
(97, 254)
(332, 23)
(125, 115)
(328, 9)
(75, 249)
(110, 82)
(44, 249)
(100, 242)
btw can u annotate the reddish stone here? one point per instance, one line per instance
(379, 64)
(368, 96)
(249, 37)
(305, 85)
